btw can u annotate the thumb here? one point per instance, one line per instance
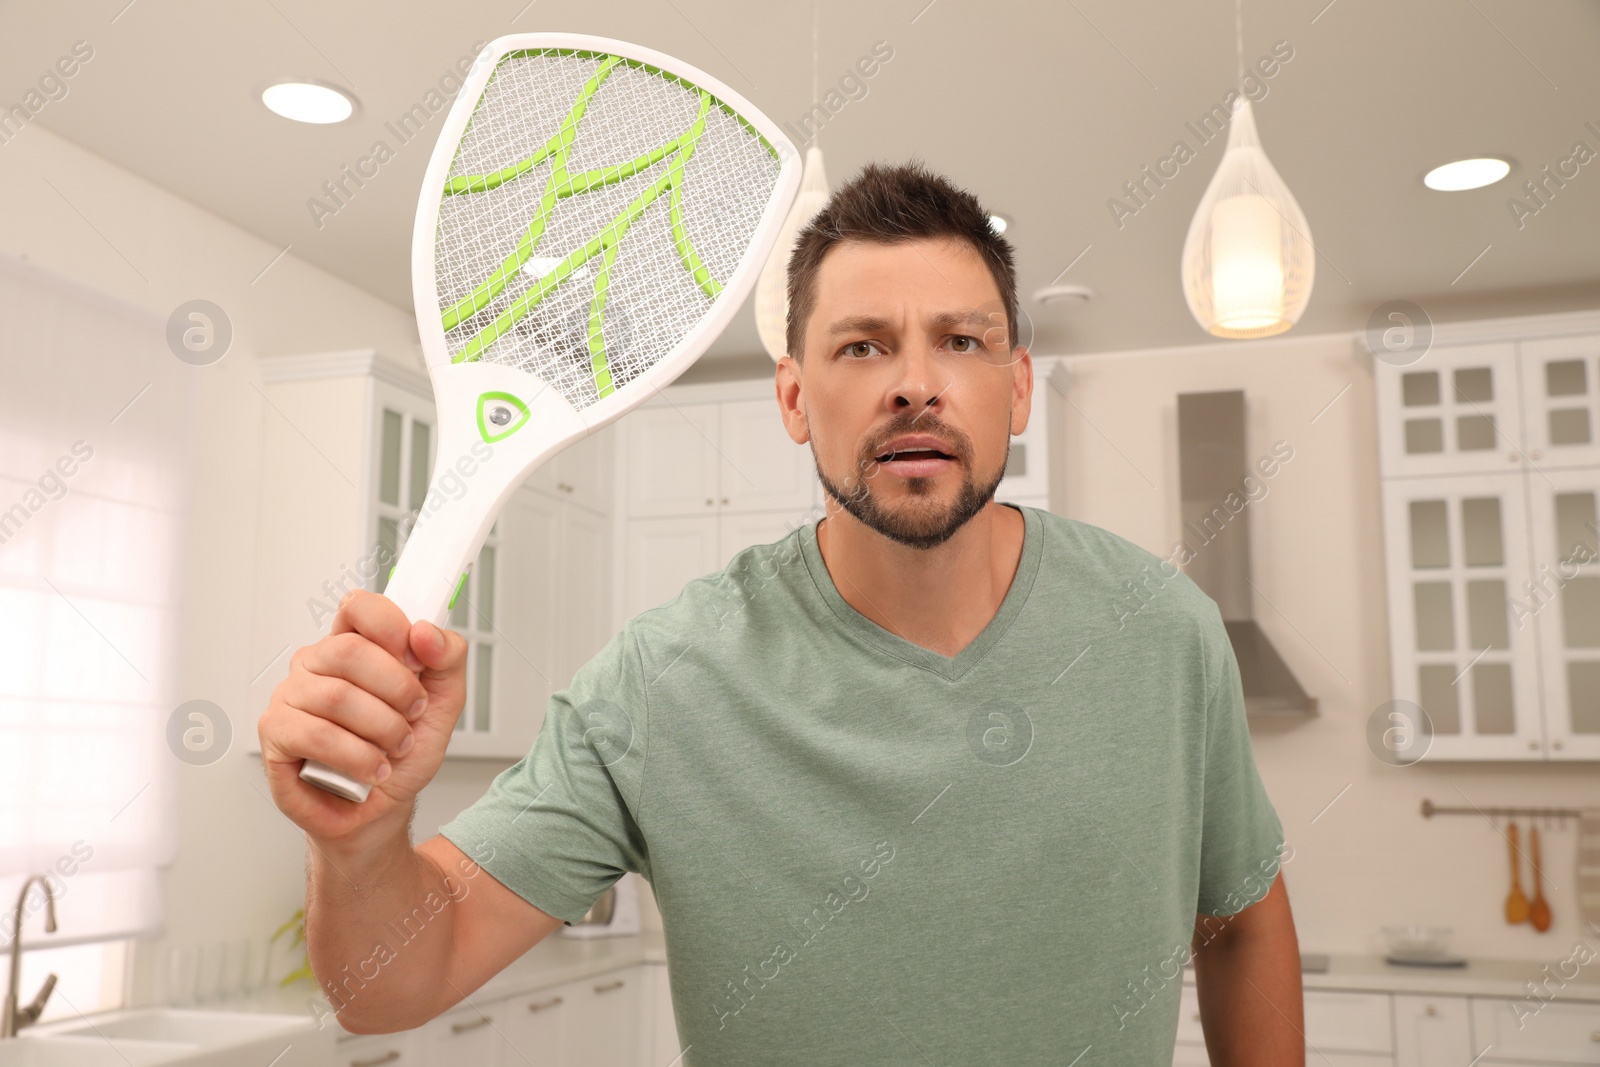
(441, 653)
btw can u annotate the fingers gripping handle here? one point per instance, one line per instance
(433, 564)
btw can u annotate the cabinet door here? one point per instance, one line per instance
(738, 531)
(464, 1036)
(660, 1047)
(1525, 1029)
(1457, 554)
(762, 470)
(601, 1028)
(663, 556)
(672, 460)
(583, 620)
(1347, 1022)
(1454, 411)
(1566, 598)
(531, 1032)
(1560, 394)
(1432, 1031)
(583, 471)
(382, 1050)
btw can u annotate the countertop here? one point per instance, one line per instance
(1480, 977)
(554, 961)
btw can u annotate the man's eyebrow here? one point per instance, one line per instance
(943, 321)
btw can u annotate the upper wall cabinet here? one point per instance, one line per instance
(1561, 400)
(1491, 477)
(1455, 411)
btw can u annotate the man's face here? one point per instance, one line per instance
(910, 389)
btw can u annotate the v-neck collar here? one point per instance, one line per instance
(950, 668)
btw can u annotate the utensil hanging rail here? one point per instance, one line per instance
(1430, 809)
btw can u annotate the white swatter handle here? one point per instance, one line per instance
(471, 482)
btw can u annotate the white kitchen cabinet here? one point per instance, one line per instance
(1345, 1029)
(663, 555)
(658, 1046)
(1561, 400)
(1457, 554)
(1565, 603)
(601, 1020)
(379, 1050)
(1477, 435)
(1454, 411)
(532, 1030)
(463, 1036)
(1432, 1031)
(713, 457)
(1518, 1031)
(581, 473)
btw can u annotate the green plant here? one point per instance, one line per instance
(296, 925)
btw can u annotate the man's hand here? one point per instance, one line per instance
(376, 699)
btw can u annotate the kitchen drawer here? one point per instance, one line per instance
(379, 1050)
(1348, 1022)
(1553, 1033)
(462, 1038)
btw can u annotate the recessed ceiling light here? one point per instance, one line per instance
(1064, 294)
(999, 223)
(308, 102)
(1466, 174)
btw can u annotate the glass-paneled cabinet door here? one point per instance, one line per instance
(1561, 400)
(1454, 411)
(1457, 555)
(1565, 596)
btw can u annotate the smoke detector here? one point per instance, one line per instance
(1064, 295)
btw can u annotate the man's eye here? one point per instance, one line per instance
(859, 348)
(965, 343)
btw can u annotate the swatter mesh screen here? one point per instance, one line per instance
(651, 299)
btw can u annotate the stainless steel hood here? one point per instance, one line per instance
(1217, 490)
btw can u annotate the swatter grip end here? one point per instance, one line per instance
(324, 777)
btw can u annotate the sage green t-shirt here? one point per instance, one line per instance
(868, 853)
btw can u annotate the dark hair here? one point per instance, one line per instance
(890, 204)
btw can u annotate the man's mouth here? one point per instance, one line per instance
(915, 462)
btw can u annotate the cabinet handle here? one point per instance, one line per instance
(1537, 454)
(1197, 1016)
(388, 1057)
(1430, 1010)
(564, 487)
(461, 1028)
(1533, 744)
(1595, 1036)
(724, 500)
(709, 502)
(1511, 457)
(609, 986)
(543, 1004)
(1556, 745)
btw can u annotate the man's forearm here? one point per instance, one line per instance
(1250, 1000)
(379, 925)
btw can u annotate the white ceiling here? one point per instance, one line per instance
(1043, 109)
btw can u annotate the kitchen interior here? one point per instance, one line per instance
(215, 420)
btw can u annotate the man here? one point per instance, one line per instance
(908, 786)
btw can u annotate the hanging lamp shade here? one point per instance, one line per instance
(772, 288)
(1248, 262)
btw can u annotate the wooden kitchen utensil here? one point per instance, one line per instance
(1539, 910)
(1516, 903)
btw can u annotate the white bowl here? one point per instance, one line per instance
(1418, 942)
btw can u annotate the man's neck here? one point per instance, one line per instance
(939, 598)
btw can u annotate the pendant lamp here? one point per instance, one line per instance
(1248, 261)
(772, 287)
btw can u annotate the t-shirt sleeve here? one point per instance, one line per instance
(558, 828)
(1241, 836)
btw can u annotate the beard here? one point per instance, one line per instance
(921, 521)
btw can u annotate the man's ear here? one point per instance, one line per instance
(788, 384)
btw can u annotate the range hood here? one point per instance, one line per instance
(1212, 464)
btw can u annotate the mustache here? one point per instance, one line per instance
(960, 445)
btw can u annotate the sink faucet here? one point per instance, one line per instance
(13, 1019)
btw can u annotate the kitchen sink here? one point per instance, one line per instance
(190, 1038)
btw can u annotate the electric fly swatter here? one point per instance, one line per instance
(593, 216)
